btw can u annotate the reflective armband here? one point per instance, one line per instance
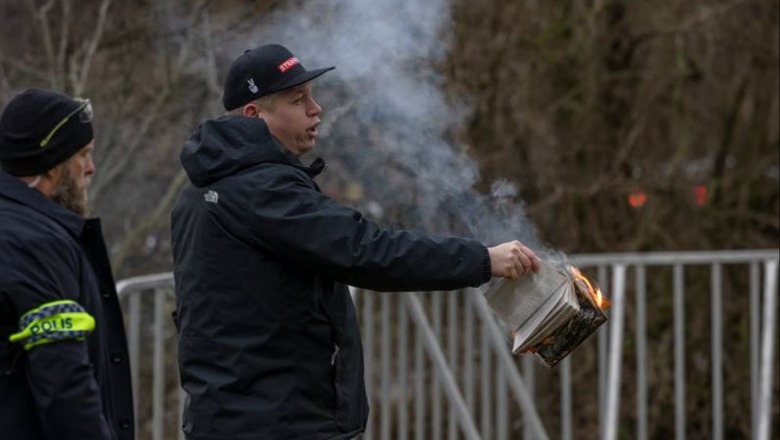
(52, 322)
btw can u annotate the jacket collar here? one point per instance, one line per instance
(319, 165)
(221, 147)
(14, 189)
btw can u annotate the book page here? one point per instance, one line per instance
(514, 301)
(547, 319)
(528, 333)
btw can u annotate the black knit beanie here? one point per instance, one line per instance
(26, 121)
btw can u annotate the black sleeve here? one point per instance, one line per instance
(302, 225)
(59, 374)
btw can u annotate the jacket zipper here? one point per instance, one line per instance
(335, 353)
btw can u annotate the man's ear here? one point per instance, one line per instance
(250, 110)
(50, 179)
(53, 174)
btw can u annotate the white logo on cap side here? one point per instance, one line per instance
(252, 87)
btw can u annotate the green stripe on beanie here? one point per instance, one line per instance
(27, 119)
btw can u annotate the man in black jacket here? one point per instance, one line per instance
(269, 346)
(64, 372)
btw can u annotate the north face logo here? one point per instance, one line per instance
(211, 197)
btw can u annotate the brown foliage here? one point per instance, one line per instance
(584, 103)
(578, 104)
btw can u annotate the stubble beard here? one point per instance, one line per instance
(69, 195)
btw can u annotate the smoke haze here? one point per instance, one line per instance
(386, 54)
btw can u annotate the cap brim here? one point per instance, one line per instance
(300, 79)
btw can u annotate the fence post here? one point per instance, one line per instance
(768, 348)
(616, 352)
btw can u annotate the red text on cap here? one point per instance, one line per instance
(287, 65)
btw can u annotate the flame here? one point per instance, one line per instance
(595, 292)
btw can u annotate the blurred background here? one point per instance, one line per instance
(611, 125)
(578, 127)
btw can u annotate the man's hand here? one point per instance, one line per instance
(512, 259)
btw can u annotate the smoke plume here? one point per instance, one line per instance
(386, 116)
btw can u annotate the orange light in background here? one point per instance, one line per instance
(637, 199)
(700, 195)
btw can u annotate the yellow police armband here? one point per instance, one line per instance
(52, 322)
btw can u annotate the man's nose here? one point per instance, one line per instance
(89, 169)
(315, 108)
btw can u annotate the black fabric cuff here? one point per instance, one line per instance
(486, 272)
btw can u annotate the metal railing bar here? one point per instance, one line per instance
(529, 369)
(679, 352)
(436, 383)
(440, 363)
(502, 419)
(154, 281)
(384, 366)
(767, 348)
(468, 356)
(566, 400)
(368, 349)
(134, 345)
(616, 351)
(504, 357)
(603, 349)
(667, 258)
(452, 320)
(403, 346)
(180, 415)
(158, 380)
(484, 384)
(419, 380)
(641, 352)
(717, 352)
(755, 344)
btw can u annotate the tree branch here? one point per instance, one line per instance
(64, 37)
(211, 63)
(86, 63)
(117, 162)
(150, 222)
(40, 16)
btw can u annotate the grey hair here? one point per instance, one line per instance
(35, 182)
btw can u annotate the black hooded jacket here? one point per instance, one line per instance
(269, 346)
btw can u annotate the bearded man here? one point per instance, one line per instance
(64, 369)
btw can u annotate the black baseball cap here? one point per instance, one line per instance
(263, 71)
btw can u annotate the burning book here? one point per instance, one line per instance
(550, 312)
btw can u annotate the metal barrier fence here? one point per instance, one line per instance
(438, 364)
